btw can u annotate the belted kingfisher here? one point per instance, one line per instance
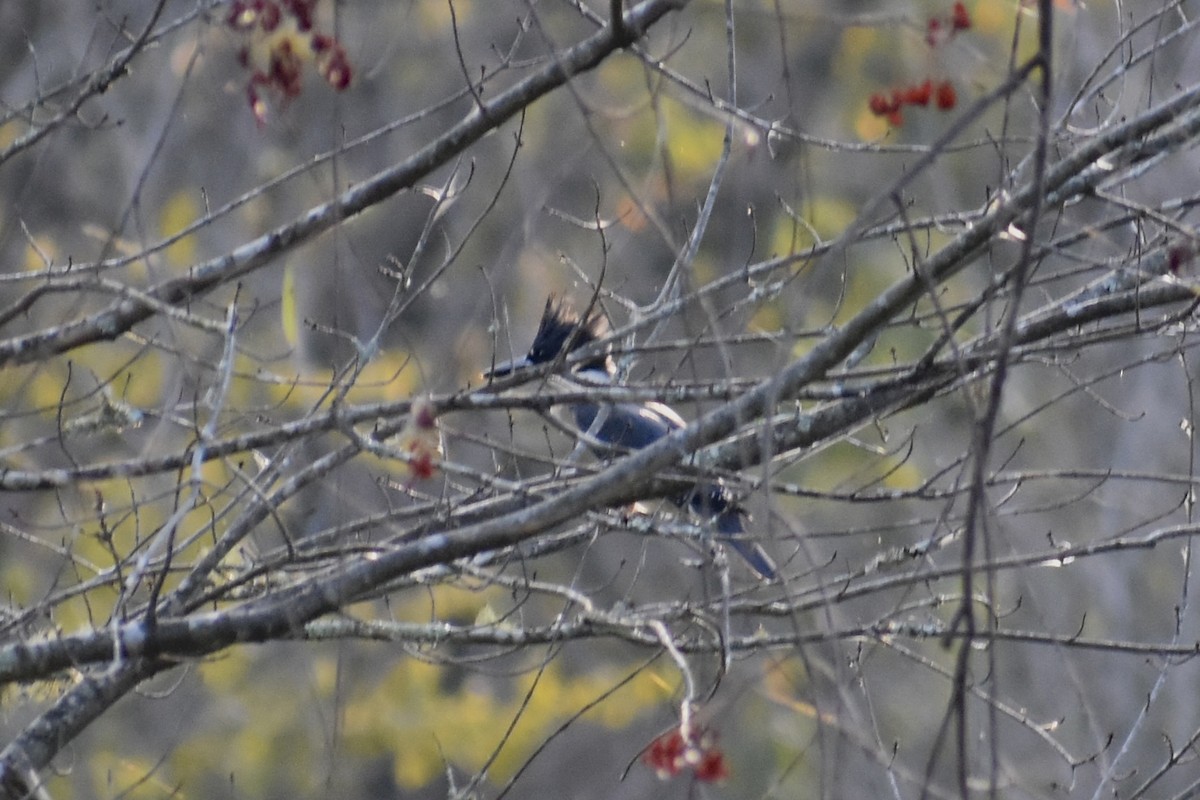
(629, 425)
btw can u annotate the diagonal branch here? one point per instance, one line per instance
(122, 315)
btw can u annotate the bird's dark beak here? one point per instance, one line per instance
(503, 368)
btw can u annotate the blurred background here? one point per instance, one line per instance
(222, 128)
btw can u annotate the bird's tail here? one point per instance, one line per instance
(731, 531)
(715, 502)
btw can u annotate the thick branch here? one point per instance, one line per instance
(483, 118)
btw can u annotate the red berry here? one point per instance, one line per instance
(269, 16)
(960, 20)
(257, 107)
(666, 754)
(946, 97)
(712, 767)
(933, 34)
(422, 465)
(336, 69)
(919, 95)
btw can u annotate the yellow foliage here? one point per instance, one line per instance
(487, 616)
(16, 582)
(325, 675)
(422, 715)
(37, 692)
(465, 728)
(703, 270)
(142, 383)
(1027, 45)
(694, 141)
(251, 385)
(262, 728)
(128, 777)
(857, 44)
(783, 676)
(243, 753)
(437, 17)
(14, 394)
(767, 317)
(46, 385)
(870, 127)
(214, 474)
(113, 496)
(903, 477)
(823, 219)
(80, 613)
(180, 210)
(827, 470)
(41, 250)
(452, 602)
(135, 377)
(783, 681)
(846, 464)
(9, 133)
(208, 754)
(829, 216)
(389, 377)
(289, 317)
(129, 520)
(227, 674)
(993, 19)
(623, 79)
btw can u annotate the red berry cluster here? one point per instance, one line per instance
(938, 31)
(282, 37)
(672, 753)
(421, 440)
(888, 105)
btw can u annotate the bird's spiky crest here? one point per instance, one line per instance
(562, 328)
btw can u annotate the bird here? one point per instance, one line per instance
(612, 427)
